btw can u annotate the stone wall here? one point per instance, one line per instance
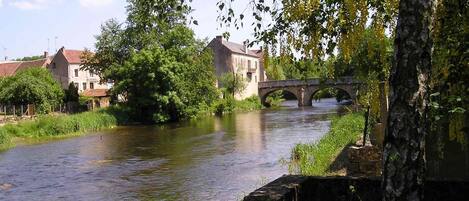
(299, 188)
(364, 161)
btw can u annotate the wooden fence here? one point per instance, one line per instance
(10, 112)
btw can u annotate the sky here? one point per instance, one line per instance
(30, 27)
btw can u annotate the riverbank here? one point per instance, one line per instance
(318, 158)
(48, 126)
(61, 125)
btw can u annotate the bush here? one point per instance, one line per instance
(32, 86)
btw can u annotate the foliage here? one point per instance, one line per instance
(71, 94)
(313, 28)
(31, 58)
(229, 105)
(155, 62)
(31, 86)
(275, 99)
(450, 64)
(232, 84)
(61, 125)
(315, 158)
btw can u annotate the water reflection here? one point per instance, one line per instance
(205, 159)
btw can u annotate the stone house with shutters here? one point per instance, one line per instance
(65, 68)
(230, 57)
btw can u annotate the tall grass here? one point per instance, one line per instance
(59, 125)
(315, 158)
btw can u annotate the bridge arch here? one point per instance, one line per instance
(346, 89)
(265, 93)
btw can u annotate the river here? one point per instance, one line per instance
(213, 158)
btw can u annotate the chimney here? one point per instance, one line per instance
(46, 54)
(245, 46)
(219, 38)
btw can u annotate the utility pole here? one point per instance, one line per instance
(4, 52)
(48, 44)
(55, 43)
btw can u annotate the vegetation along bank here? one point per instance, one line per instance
(316, 158)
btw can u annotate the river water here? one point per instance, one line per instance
(206, 159)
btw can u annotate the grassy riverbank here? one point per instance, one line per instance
(62, 125)
(316, 158)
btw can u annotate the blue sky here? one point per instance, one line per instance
(26, 25)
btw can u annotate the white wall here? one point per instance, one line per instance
(240, 66)
(84, 77)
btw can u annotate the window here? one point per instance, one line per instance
(255, 64)
(53, 65)
(249, 76)
(84, 85)
(249, 63)
(91, 85)
(255, 78)
(76, 72)
(91, 73)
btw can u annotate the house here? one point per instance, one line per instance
(237, 58)
(65, 68)
(10, 68)
(99, 98)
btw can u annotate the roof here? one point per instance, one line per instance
(238, 48)
(12, 67)
(36, 63)
(73, 56)
(95, 93)
(8, 69)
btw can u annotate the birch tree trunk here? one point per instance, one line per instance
(404, 156)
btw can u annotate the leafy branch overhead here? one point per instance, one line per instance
(312, 28)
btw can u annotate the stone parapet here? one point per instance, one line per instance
(299, 188)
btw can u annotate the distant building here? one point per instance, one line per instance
(10, 68)
(237, 58)
(65, 68)
(99, 98)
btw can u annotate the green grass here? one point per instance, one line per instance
(315, 158)
(62, 125)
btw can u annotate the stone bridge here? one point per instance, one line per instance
(304, 90)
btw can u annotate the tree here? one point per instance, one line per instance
(71, 94)
(317, 27)
(31, 58)
(408, 123)
(155, 62)
(232, 83)
(32, 86)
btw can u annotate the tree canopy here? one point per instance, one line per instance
(155, 62)
(31, 86)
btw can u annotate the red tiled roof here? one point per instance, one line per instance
(36, 63)
(8, 69)
(95, 93)
(73, 56)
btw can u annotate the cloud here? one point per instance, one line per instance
(1, 3)
(31, 4)
(94, 3)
